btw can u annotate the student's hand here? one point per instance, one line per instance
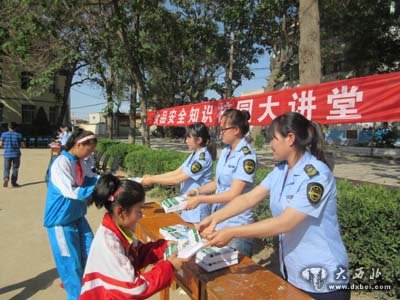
(219, 238)
(177, 262)
(191, 202)
(146, 180)
(206, 226)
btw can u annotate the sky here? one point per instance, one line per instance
(88, 98)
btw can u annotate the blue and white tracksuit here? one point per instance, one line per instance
(68, 231)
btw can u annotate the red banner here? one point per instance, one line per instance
(364, 99)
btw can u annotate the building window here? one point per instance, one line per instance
(53, 114)
(25, 80)
(28, 114)
(1, 112)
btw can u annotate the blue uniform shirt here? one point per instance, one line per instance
(199, 167)
(11, 143)
(316, 242)
(241, 164)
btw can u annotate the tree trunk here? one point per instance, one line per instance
(64, 106)
(132, 115)
(229, 75)
(309, 50)
(110, 115)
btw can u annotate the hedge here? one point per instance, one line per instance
(369, 214)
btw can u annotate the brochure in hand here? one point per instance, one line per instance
(188, 240)
(173, 204)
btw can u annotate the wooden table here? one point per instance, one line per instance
(246, 280)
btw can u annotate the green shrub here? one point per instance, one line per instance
(259, 142)
(369, 217)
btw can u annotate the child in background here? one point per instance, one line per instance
(115, 258)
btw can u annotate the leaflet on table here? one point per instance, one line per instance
(188, 239)
(173, 204)
(137, 179)
(216, 254)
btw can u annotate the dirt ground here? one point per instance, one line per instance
(27, 268)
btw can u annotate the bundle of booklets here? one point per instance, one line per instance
(137, 179)
(173, 204)
(214, 258)
(188, 240)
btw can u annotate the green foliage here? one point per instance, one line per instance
(259, 142)
(369, 217)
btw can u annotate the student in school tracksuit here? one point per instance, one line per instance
(71, 182)
(194, 172)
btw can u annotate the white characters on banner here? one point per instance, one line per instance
(163, 118)
(207, 114)
(268, 109)
(303, 104)
(245, 105)
(181, 116)
(194, 115)
(171, 116)
(344, 103)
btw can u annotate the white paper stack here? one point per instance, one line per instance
(214, 258)
(173, 204)
(188, 240)
(137, 179)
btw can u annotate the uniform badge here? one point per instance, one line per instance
(249, 166)
(311, 171)
(196, 167)
(314, 192)
(202, 156)
(246, 150)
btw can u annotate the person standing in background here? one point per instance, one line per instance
(11, 142)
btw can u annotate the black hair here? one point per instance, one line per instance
(76, 135)
(238, 118)
(200, 130)
(12, 125)
(309, 136)
(124, 192)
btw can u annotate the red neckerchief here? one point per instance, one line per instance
(108, 222)
(79, 173)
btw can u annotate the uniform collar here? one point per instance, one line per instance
(240, 145)
(71, 157)
(204, 149)
(109, 223)
(299, 166)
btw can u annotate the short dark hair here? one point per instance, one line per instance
(12, 125)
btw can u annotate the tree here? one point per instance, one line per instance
(309, 50)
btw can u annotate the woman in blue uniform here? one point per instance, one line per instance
(71, 181)
(234, 175)
(302, 195)
(194, 172)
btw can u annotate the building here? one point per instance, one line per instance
(34, 114)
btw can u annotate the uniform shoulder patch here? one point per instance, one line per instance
(202, 156)
(249, 166)
(315, 191)
(246, 150)
(196, 167)
(311, 171)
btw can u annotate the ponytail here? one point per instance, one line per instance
(317, 143)
(110, 191)
(212, 149)
(309, 136)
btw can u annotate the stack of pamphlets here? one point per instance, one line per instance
(214, 258)
(188, 240)
(137, 179)
(173, 204)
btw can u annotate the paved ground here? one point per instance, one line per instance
(27, 268)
